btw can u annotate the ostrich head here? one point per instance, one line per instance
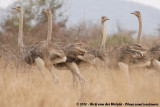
(47, 11)
(17, 8)
(137, 13)
(103, 19)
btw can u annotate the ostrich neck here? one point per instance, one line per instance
(140, 31)
(104, 37)
(20, 34)
(49, 28)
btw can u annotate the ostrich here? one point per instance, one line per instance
(154, 52)
(98, 53)
(83, 52)
(60, 62)
(133, 54)
(42, 53)
(56, 51)
(130, 55)
(77, 53)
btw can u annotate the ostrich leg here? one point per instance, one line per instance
(156, 64)
(75, 71)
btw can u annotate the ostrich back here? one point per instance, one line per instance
(128, 53)
(31, 52)
(77, 52)
(155, 52)
(42, 50)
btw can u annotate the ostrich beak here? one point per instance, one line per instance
(132, 13)
(107, 19)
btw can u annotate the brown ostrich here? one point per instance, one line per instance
(78, 53)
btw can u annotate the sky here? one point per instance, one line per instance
(5, 3)
(91, 10)
(152, 3)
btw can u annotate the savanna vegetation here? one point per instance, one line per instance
(22, 86)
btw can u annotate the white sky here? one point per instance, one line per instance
(5, 3)
(152, 3)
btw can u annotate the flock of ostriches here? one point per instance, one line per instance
(48, 55)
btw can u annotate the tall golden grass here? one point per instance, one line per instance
(23, 86)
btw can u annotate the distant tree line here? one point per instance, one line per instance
(32, 13)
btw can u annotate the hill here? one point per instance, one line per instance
(117, 10)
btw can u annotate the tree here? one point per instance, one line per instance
(35, 22)
(32, 13)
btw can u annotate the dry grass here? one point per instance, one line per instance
(24, 87)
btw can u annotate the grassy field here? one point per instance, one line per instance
(23, 86)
